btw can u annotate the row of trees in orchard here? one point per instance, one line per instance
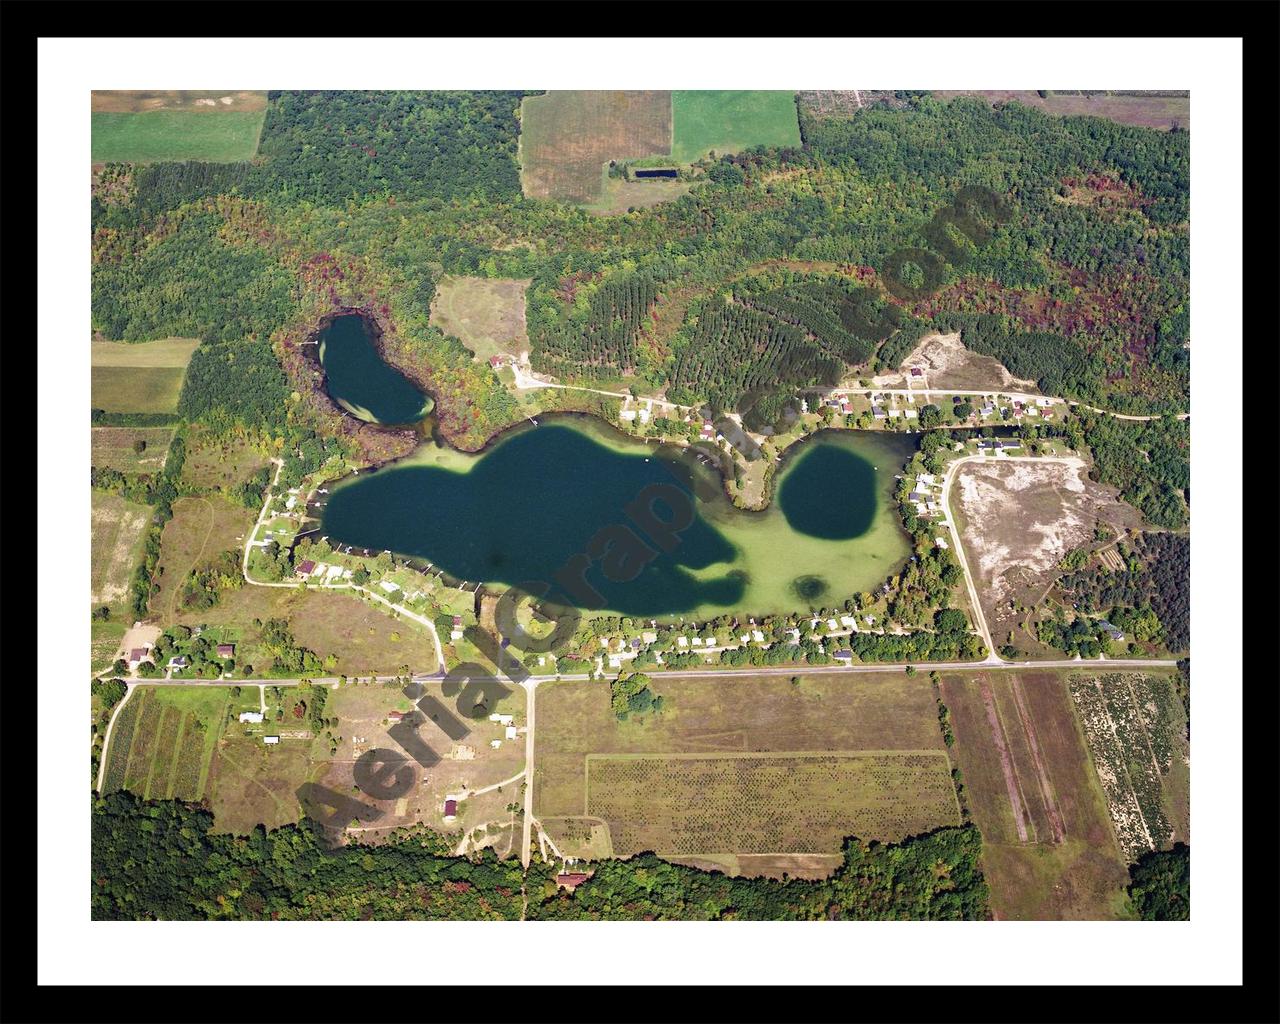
(600, 333)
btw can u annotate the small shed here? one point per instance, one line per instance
(450, 809)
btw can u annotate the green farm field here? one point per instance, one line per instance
(142, 377)
(222, 136)
(729, 121)
(742, 767)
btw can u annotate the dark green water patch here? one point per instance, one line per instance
(358, 379)
(809, 588)
(830, 493)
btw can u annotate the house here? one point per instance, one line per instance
(644, 415)
(457, 622)
(987, 410)
(615, 661)
(847, 620)
(681, 642)
(910, 414)
(926, 479)
(226, 650)
(293, 500)
(510, 732)
(178, 662)
(708, 431)
(334, 572)
(1112, 632)
(744, 637)
(795, 635)
(627, 415)
(757, 636)
(495, 361)
(570, 879)
(635, 644)
(832, 625)
(455, 634)
(696, 641)
(501, 719)
(918, 496)
(306, 568)
(251, 716)
(397, 716)
(894, 413)
(270, 740)
(846, 655)
(941, 542)
(137, 656)
(917, 372)
(495, 744)
(450, 810)
(877, 412)
(649, 637)
(389, 587)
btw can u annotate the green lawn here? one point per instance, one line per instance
(730, 121)
(176, 135)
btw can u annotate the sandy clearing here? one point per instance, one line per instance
(948, 364)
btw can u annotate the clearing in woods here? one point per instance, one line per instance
(948, 364)
(114, 448)
(759, 775)
(1145, 111)
(729, 121)
(201, 529)
(485, 314)
(1048, 848)
(144, 127)
(116, 548)
(566, 138)
(139, 377)
(213, 463)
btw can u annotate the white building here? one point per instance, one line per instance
(510, 732)
(757, 636)
(251, 716)
(271, 740)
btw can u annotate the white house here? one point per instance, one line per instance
(643, 414)
(696, 641)
(795, 635)
(627, 415)
(832, 624)
(757, 636)
(941, 542)
(251, 716)
(847, 620)
(501, 719)
(271, 740)
(386, 585)
(510, 732)
(681, 642)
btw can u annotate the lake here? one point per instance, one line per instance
(358, 380)
(523, 509)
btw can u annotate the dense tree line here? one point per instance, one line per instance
(161, 861)
(1149, 461)
(934, 877)
(102, 418)
(1160, 884)
(1156, 578)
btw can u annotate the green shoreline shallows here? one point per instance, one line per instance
(522, 509)
(358, 379)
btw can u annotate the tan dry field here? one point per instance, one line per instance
(485, 314)
(1049, 852)
(567, 136)
(137, 101)
(1018, 520)
(948, 364)
(1161, 112)
(754, 774)
(117, 529)
(212, 463)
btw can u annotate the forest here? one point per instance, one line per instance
(159, 860)
(1160, 884)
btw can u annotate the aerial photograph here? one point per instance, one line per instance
(586, 505)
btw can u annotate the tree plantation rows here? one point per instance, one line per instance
(600, 338)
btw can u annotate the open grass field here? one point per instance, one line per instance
(113, 448)
(485, 314)
(217, 134)
(352, 636)
(758, 774)
(200, 529)
(139, 377)
(617, 195)
(164, 740)
(116, 548)
(1049, 852)
(729, 121)
(1162, 112)
(567, 136)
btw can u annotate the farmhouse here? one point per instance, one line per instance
(226, 650)
(251, 716)
(571, 879)
(137, 656)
